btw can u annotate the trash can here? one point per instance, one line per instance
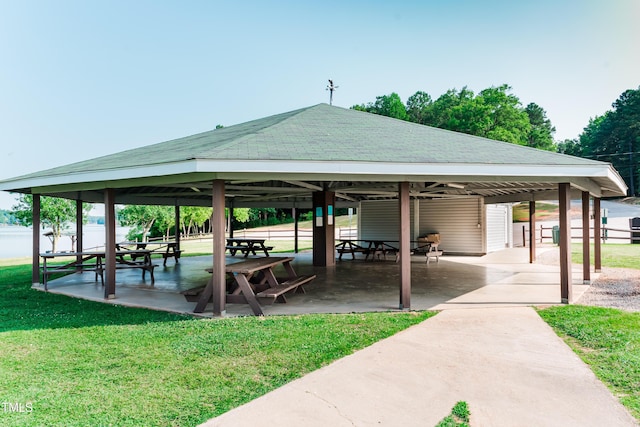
(555, 234)
(634, 226)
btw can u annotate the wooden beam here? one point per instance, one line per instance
(586, 256)
(177, 232)
(296, 226)
(35, 261)
(79, 231)
(564, 197)
(532, 232)
(405, 246)
(219, 261)
(324, 250)
(110, 244)
(597, 236)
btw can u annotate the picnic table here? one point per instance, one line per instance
(428, 247)
(166, 249)
(372, 249)
(247, 246)
(379, 249)
(94, 261)
(255, 279)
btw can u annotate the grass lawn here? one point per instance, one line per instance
(83, 363)
(613, 255)
(608, 340)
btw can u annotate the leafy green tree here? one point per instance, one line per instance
(615, 137)
(56, 213)
(419, 107)
(571, 147)
(193, 216)
(386, 105)
(508, 121)
(541, 131)
(240, 214)
(493, 113)
(459, 112)
(142, 217)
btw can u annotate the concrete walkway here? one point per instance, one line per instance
(506, 363)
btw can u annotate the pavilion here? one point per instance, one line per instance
(324, 157)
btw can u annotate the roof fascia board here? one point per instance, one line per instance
(202, 170)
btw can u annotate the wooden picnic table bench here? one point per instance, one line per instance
(247, 246)
(125, 259)
(349, 246)
(379, 249)
(371, 248)
(165, 249)
(80, 263)
(257, 275)
(428, 246)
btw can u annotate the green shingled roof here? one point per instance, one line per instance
(327, 133)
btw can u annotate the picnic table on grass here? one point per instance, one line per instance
(247, 246)
(255, 279)
(93, 261)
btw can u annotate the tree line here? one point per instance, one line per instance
(613, 137)
(59, 215)
(498, 114)
(493, 113)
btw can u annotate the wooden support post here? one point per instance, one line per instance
(230, 228)
(532, 231)
(324, 251)
(110, 244)
(597, 236)
(79, 223)
(294, 214)
(564, 197)
(586, 255)
(177, 227)
(35, 261)
(405, 246)
(219, 261)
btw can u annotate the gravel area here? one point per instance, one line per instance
(616, 287)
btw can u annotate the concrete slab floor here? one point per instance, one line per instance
(501, 279)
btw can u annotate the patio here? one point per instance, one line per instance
(500, 279)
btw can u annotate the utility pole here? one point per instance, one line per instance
(331, 88)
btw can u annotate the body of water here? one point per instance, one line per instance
(16, 241)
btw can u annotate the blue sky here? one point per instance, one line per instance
(80, 79)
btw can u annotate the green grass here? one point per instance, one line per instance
(459, 416)
(608, 340)
(613, 255)
(86, 363)
(543, 211)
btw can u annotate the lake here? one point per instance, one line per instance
(16, 241)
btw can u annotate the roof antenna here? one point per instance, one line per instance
(331, 88)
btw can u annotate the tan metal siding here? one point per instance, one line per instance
(381, 220)
(458, 221)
